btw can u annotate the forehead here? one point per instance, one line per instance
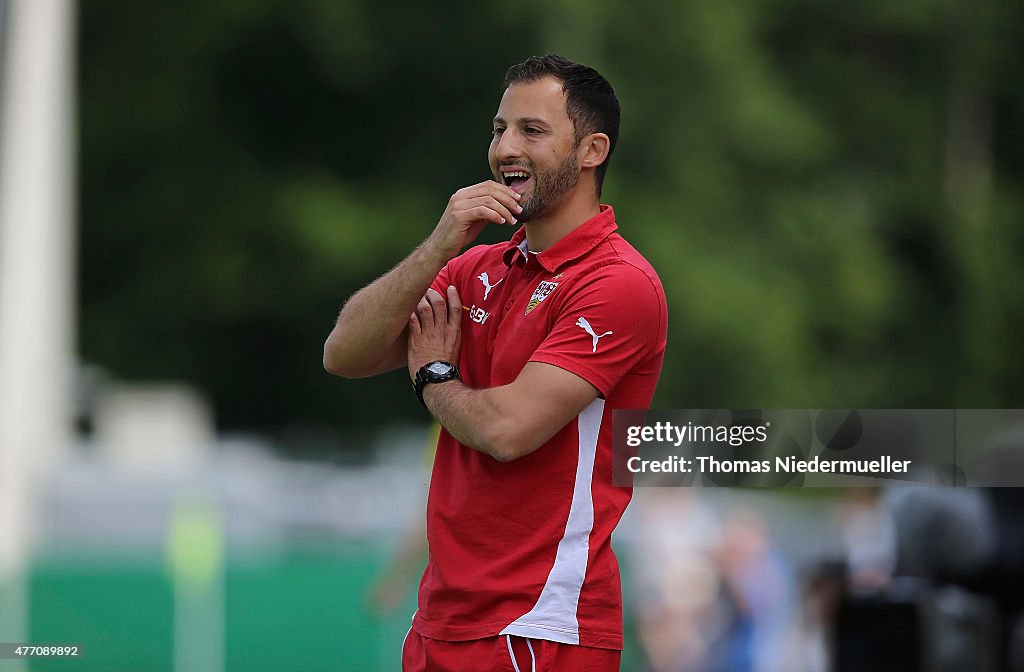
(542, 99)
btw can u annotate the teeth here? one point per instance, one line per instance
(516, 174)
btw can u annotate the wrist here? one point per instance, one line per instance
(435, 254)
(433, 374)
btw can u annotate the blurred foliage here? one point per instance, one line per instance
(831, 193)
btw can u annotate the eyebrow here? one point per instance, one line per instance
(524, 120)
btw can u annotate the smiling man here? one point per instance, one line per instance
(521, 350)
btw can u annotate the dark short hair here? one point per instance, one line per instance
(590, 100)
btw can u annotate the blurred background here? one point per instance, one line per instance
(831, 193)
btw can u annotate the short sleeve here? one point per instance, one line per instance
(612, 323)
(454, 272)
(443, 279)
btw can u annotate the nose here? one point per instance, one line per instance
(507, 146)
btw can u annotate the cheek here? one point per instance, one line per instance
(567, 152)
(553, 155)
(492, 156)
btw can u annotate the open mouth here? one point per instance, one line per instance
(517, 179)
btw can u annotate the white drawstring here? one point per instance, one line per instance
(508, 640)
(533, 659)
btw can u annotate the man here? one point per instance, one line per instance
(521, 350)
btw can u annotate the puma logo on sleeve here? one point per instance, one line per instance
(585, 326)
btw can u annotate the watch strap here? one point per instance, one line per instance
(425, 376)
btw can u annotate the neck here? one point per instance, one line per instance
(578, 206)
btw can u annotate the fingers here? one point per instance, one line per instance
(434, 309)
(483, 213)
(454, 308)
(477, 195)
(505, 210)
(425, 312)
(437, 306)
(435, 329)
(492, 188)
(507, 196)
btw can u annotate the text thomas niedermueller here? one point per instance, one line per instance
(736, 435)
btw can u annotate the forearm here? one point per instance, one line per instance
(366, 337)
(510, 421)
(506, 421)
(471, 417)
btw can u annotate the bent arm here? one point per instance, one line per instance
(371, 332)
(511, 421)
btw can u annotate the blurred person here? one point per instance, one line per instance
(760, 635)
(867, 561)
(521, 350)
(677, 581)
(939, 605)
(869, 537)
(947, 534)
(824, 586)
(712, 595)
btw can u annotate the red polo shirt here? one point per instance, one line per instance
(524, 547)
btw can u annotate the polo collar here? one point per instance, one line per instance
(575, 244)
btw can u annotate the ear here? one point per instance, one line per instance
(593, 150)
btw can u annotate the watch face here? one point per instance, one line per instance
(439, 368)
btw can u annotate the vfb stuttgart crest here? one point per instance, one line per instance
(539, 294)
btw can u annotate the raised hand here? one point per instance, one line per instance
(469, 210)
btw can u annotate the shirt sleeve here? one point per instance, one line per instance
(610, 325)
(455, 270)
(443, 279)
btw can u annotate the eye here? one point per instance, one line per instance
(532, 130)
(498, 130)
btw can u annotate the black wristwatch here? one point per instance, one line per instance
(434, 372)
